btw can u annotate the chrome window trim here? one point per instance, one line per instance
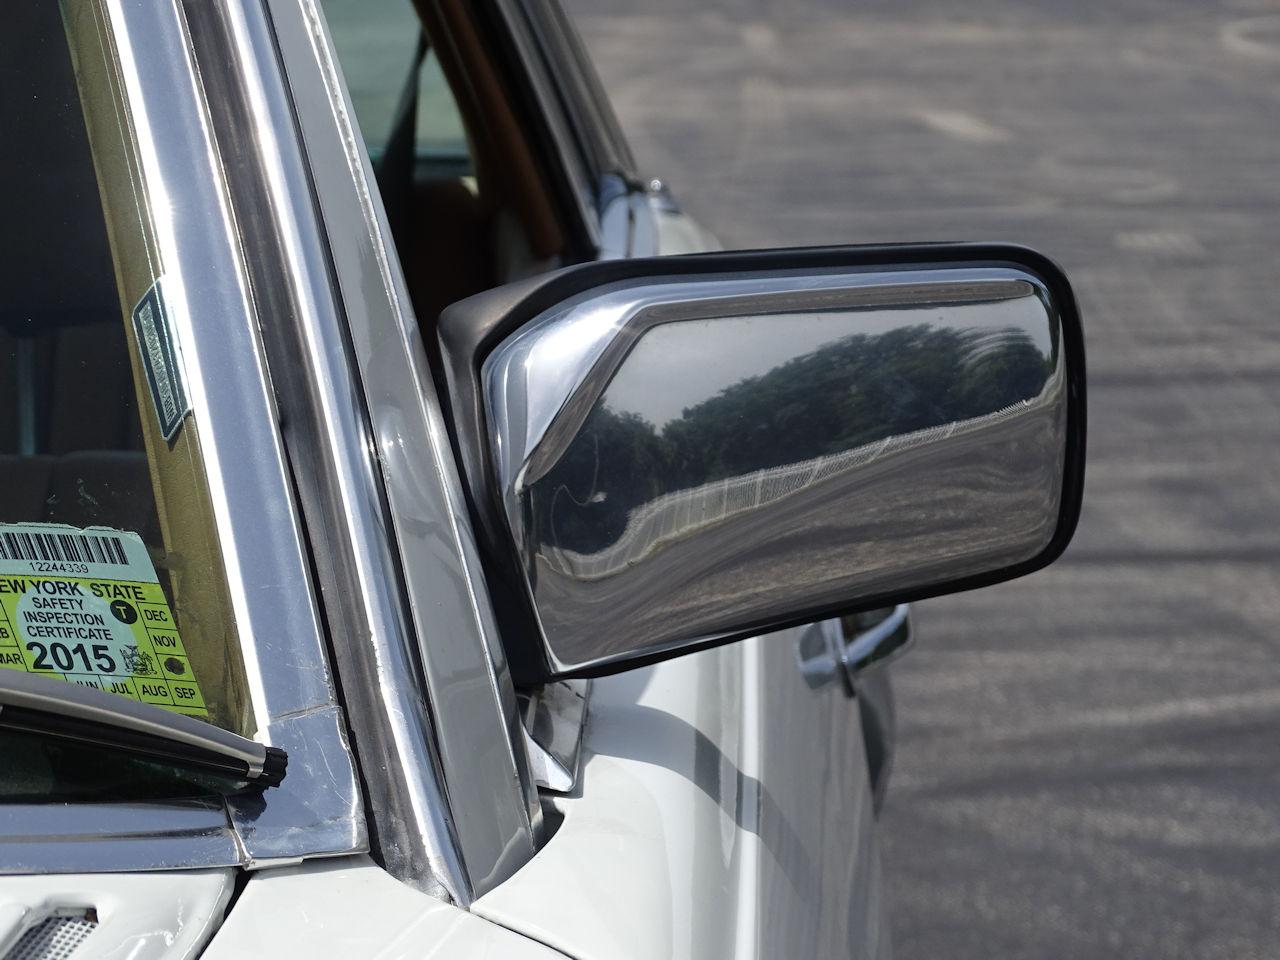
(317, 810)
(574, 166)
(339, 484)
(492, 804)
(587, 112)
(598, 163)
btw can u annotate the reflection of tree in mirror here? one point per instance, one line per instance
(853, 391)
(615, 462)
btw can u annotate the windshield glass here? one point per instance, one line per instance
(110, 573)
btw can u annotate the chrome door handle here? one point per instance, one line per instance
(878, 644)
(827, 651)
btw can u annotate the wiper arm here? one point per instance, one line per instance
(69, 711)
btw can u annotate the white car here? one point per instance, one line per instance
(416, 540)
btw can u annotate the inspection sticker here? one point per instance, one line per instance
(85, 606)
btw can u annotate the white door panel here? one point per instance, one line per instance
(165, 915)
(722, 810)
(350, 908)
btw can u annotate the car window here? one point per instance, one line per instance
(110, 570)
(377, 45)
(464, 188)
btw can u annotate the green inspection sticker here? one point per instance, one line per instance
(86, 606)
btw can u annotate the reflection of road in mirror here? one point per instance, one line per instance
(903, 518)
(684, 512)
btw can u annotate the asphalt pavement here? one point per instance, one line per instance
(1089, 762)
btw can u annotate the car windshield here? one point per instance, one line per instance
(110, 571)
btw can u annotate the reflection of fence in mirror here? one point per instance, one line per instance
(685, 512)
(712, 419)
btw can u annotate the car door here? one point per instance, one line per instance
(722, 804)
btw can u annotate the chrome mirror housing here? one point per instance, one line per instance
(678, 452)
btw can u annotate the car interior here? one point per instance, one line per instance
(464, 188)
(71, 444)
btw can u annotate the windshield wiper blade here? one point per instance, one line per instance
(69, 711)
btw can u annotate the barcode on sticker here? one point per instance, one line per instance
(68, 547)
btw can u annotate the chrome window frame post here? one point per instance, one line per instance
(490, 800)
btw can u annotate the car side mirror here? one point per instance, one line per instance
(672, 453)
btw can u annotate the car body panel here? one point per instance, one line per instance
(138, 916)
(349, 908)
(723, 810)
